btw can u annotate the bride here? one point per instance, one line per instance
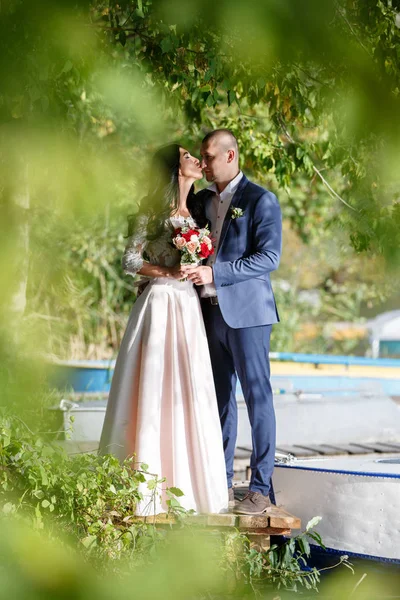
(162, 405)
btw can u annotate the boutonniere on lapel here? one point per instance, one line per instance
(236, 212)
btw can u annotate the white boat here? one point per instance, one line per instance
(358, 498)
(338, 457)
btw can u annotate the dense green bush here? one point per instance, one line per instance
(88, 503)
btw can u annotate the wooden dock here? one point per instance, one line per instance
(258, 529)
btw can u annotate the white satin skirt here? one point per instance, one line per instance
(162, 406)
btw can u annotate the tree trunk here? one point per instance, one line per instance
(15, 248)
(21, 202)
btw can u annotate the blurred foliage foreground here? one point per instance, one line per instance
(89, 88)
(64, 517)
(67, 529)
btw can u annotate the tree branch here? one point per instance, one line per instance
(330, 189)
(341, 12)
(324, 181)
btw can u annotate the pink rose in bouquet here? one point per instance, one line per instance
(194, 244)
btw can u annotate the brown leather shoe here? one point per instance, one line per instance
(253, 503)
(231, 497)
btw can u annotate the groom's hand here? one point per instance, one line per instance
(198, 275)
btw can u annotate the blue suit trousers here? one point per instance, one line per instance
(243, 353)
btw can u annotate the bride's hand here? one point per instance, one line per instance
(176, 272)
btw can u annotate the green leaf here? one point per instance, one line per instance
(45, 480)
(89, 541)
(287, 555)
(210, 100)
(303, 545)
(166, 45)
(38, 513)
(173, 502)
(112, 489)
(176, 491)
(292, 545)
(45, 503)
(5, 441)
(308, 163)
(67, 67)
(317, 538)
(225, 85)
(231, 97)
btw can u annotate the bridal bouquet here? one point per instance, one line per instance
(193, 243)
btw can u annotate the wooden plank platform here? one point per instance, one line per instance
(389, 446)
(257, 529)
(349, 449)
(371, 447)
(243, 453)
(276, 521)
(296, 451)
(299, 451)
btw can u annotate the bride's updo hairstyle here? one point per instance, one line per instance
(163, 196)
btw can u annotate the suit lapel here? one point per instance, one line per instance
(207, 199)
(235, 202)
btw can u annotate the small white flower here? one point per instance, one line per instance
(236, 212)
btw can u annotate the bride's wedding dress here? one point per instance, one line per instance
(162, 405)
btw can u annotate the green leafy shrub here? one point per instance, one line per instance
(91, 498)
(89, 502)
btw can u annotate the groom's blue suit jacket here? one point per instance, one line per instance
(249, 249)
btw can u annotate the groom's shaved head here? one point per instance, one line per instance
(220, 157)
(224, 138)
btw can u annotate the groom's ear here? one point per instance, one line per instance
(231, 156)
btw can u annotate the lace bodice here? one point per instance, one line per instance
(157, 252)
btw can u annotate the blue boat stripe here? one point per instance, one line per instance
(342, 472)
(383, 559)
(326, 359)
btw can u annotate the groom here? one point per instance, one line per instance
(239, 307)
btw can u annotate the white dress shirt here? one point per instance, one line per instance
(216, 211)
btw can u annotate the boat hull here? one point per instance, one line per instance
(357, 497)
